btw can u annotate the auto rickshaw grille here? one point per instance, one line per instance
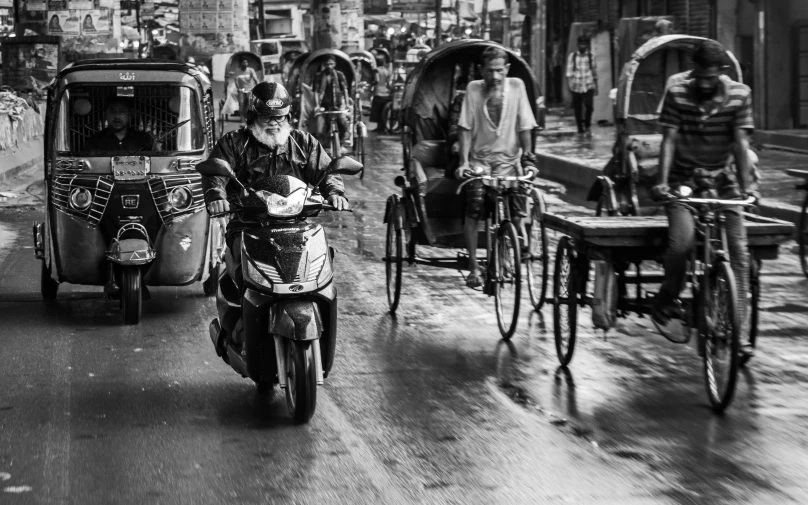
(161, 188)
(101, 188)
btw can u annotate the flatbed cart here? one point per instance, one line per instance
(616, 246)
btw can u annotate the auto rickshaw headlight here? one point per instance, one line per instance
(81, 198)
(180, 198)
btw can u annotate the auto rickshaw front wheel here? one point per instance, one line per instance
(48, 286)
(211, 285)
(131, 294)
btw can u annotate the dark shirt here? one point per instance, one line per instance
(302, 157)
(324, 83)
(106, 140)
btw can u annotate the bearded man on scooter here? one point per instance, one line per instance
(267, 146)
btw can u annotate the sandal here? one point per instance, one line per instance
(474, 281)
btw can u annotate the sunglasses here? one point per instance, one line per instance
(267, 119)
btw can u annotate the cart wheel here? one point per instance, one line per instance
(393, 257)
(537, 259)
(508, 278)
(802, 235)
(211, 284)
(722, 336)
(301, 380)
(48, 286)
(753, 309)
(565, 300)
(131, 294)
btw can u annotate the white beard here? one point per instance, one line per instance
(271, 140)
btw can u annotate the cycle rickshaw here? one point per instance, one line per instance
(391, 114)
(365, 63)
(435, 218)
(629, 175)
(301, 86)
(230, 105)
(127, 219)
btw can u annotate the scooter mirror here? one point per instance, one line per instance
(214, 167)
(345, 165)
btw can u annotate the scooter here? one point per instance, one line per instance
(277, 319)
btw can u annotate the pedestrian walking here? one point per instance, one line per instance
(381, 94)
(582, 77)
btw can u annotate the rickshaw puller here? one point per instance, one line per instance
(246, 78)
(705, 119)
(331, 94)
(496, 124)
(267, 146)
(119, 135)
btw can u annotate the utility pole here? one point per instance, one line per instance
(438, 9)
(327, 24)
(486, 31)
(506, 24)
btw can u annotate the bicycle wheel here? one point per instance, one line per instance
(508, 282)
(802, 235)
(393, 258)
(565, 301)
(721, 329)
(753, 309)
(537, 259)
(335, 147)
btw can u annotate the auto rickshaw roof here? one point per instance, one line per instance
(429, 85)
(119, 65)
(643, 79)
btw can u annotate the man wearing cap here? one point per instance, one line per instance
(330, 94)
(268, 145)
(119, 135)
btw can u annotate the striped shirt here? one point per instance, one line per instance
(705, 137)
(582, 71)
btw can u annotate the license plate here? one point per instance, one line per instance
(130, 168)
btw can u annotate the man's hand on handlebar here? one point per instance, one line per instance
(218, 207)
(339, 202)
(660, 192)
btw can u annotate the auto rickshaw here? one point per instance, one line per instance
(365, 64)
(301, 86)
(627, 179)
(230, 105)
(127, 219)
(429, 210)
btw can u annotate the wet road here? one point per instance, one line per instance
(428, 407)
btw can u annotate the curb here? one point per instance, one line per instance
(13, 164)
(580, 177)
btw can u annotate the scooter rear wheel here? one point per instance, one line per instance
(131, 294)
(48, 286)
(301, 380)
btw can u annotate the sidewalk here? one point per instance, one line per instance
(577, 161)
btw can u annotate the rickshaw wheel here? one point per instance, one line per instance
(601, 206)
(538, 258)
(722, 342)
(211, 285)
(48, 286)
(565, 301)
(802, 237)
(301, 380)
(335, 147)
(393, 257)
(753, 308)
(508, 271)
(359, 149)
(131, 294)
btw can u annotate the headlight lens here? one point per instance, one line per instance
(325, 273)
(279, 206)
(254, 275)
(180, 198)
(81, 198)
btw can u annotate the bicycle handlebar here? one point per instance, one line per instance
(326, 112)
(523, 178)
(749, 202)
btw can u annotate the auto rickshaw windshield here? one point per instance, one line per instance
(148, 118)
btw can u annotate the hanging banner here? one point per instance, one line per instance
(36, 5)
(211, 27)
(96, 22)
(147, 11)
(57, 5)
(6, 4)
(63, 23)
(412, 5)
(372, 7)
(80, 4)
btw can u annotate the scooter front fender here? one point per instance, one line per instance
(296, 320)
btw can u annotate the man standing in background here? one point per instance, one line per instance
(582, 77)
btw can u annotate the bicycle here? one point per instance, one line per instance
(334, 129)
(503, 250)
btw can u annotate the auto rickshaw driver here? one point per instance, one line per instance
(119, 135)
(495, 133)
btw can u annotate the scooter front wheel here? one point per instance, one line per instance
(131, 294)
(301, 380)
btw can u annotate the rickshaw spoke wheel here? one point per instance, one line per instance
(301, 380)
(48, 286)
(393, 257)
(802, 235)
(538, 258)
(565, 301)
(722, 338)
(508, 283)
(131, 294)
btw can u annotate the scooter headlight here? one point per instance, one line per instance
(180, 198)
(326, 273)
(252, 273)
(284, 206)
(81, 198)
